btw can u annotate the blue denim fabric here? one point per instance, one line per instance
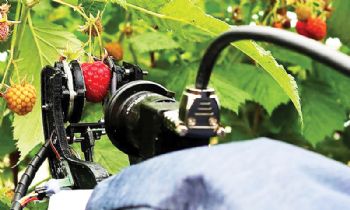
(260, 174)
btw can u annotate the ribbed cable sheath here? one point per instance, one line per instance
(28, 176)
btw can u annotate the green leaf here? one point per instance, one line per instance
(188, 13)
(41, 45)
(153, 41)
(3, 105)
(5, 45)
(230, 96)
(93, 112)
(291, 57)
(182, 17)
(109, 156)
(175, 79)
(199, 3)
(2, 109)
(277, 72)
(120, 2)
(149, 5)
(339, 83)
(261, 86)
(323, 114)
(178, 78)
(7, 144)
(43, 205)
(91, 6)
(337, 26)
(5, 201)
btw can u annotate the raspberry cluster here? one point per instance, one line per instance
(311, 16)
(311, 19)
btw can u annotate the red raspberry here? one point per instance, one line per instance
(97, 77)
(4, 31)
(301, 28)
(316, 28)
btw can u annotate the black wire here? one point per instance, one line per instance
(28, 176)
(301, 44)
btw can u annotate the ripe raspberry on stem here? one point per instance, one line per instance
(97, 77)
(301, 28)
(314, 28)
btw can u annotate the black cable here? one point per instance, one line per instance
(28, 176)
(301, 44)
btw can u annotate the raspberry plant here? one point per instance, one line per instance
(264, 90)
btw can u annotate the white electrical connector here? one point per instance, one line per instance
(52, 187)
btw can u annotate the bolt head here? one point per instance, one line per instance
(191, 121)
(181, 130)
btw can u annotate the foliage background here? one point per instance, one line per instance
(169, 37)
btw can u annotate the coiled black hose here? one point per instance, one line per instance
(28, 176)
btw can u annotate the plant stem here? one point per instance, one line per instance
(153, 59)
(22, 15)
(90, 60)
(162, 16)
(133, 54)
(256, 120)
(271, 10)
(75, 8)
(99, 39)
(13, 40)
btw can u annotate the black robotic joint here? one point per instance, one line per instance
(73, 90)
(63, 96)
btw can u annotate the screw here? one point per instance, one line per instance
(213, 121)
(221, 132)
(191, 121)
(45, 107)
(181, 130)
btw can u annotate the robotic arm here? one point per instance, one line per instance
(141, 117)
